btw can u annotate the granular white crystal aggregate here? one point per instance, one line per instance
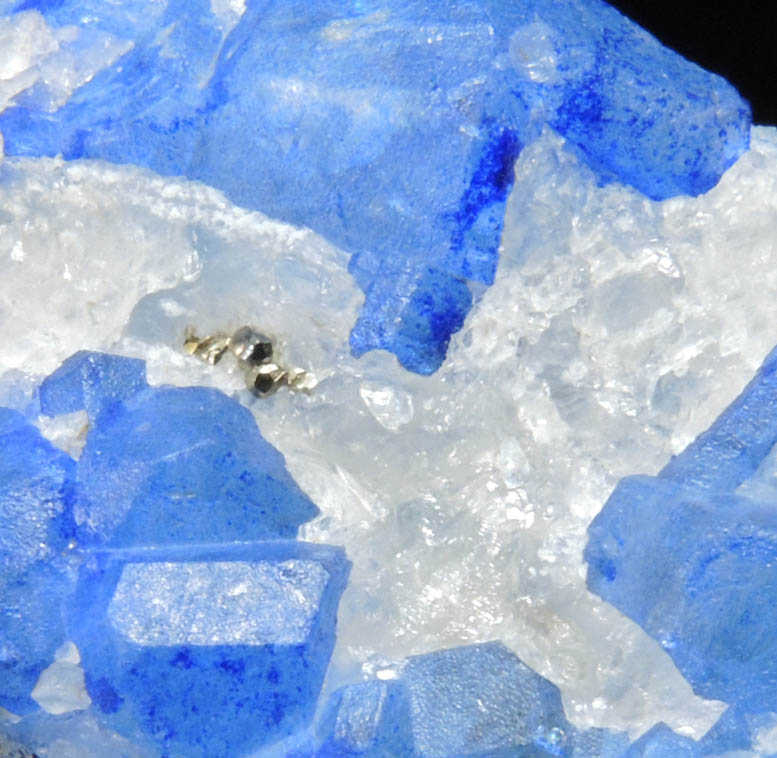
(617, 329)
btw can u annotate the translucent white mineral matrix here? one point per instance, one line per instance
(617, 329)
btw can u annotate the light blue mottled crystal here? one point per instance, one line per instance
(693, 560)
(662, 742)
(90, 382)
(476, 701)
(389, 127)
(169, 465)
(367, 720)
(36, 491)
(208, 650)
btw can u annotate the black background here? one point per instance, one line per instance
(736, 40)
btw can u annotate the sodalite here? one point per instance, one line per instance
(208, 650)
(169, 465)
(389, 127)
(662, 742)
(475, 701)
(692, 558)
(91, 382)
(36, 492)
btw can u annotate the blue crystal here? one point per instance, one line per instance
(738, 733)
(36, 489)
(599, 743)
(390, 128)
(475, 701)
(694, 562)
(731, 732)
(169, 465)
(90, 382)
(32, 627)
(208, 650)
(636, 111)
(662, 742)
(731, 450)
(366, 720)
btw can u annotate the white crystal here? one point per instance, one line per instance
(60, 687)
(42, 65)
(67, 432)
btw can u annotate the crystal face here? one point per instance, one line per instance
(564, 231)
(479, 700)
(208, 651)
(693, 561)
(36, 495)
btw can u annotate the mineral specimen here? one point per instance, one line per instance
(389, 127)
(471, 702)
(169, 465)
(622, 309)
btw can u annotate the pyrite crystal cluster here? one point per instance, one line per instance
(254, 352)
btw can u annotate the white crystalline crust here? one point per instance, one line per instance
(43, 66)
(617, 329)
(217, 603)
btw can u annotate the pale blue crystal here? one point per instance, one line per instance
(169, 465)
(36, 493)
(476, 701)
(694, 562)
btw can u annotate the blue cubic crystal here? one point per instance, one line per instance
(599, 743)
(391, 128)
(480, 701)
(208, 650)
(636, 111)
(693, 560)
(662, 742)
(36, 489)
(169, 465)
(32, 627)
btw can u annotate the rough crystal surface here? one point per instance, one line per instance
(91, 382)
(662, 742)
(316, 101)
(172, 465)
(366, 720)
(480, 700)
(609, 317)
(199, 683)
(614, 332)
(473, 702)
